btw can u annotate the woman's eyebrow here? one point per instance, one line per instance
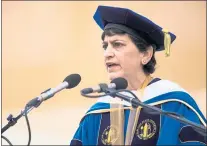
(116, 40)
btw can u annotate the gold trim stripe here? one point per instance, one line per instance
(154, 103)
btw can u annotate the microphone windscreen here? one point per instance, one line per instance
(121, 83)
(72, 80)
(87, 91)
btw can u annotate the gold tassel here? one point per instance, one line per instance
(167, 42)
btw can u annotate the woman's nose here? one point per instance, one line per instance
(109, 52)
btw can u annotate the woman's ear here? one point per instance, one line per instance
(147, 55)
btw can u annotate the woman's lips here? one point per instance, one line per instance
(113, 67)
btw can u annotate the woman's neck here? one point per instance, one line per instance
(136, 82)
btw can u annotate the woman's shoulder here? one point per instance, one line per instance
(168, 92)
(163, 84)
(159, 87)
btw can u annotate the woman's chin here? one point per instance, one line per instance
(114, 75)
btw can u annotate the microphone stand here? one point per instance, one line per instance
(13, 120)
(135, 103)
(29, 106)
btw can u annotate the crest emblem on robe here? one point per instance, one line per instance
(146, 129)
(110, 135)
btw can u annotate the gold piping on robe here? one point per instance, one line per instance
(117, 121)
(134, 115)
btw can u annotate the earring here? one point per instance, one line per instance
(143, 62)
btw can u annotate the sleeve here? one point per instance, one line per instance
(80, 135)
(88, 130)
(189, 135)
(174, 132)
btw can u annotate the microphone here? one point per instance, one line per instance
(117, 84)
(69, 82)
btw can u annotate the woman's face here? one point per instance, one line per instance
(122, 57)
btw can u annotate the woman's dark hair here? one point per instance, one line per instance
(140, 43)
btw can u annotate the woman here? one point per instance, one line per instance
(130, 41)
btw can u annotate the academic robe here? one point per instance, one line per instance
(150, 129)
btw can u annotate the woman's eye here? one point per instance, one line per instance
(104, 46)
(117, 45)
